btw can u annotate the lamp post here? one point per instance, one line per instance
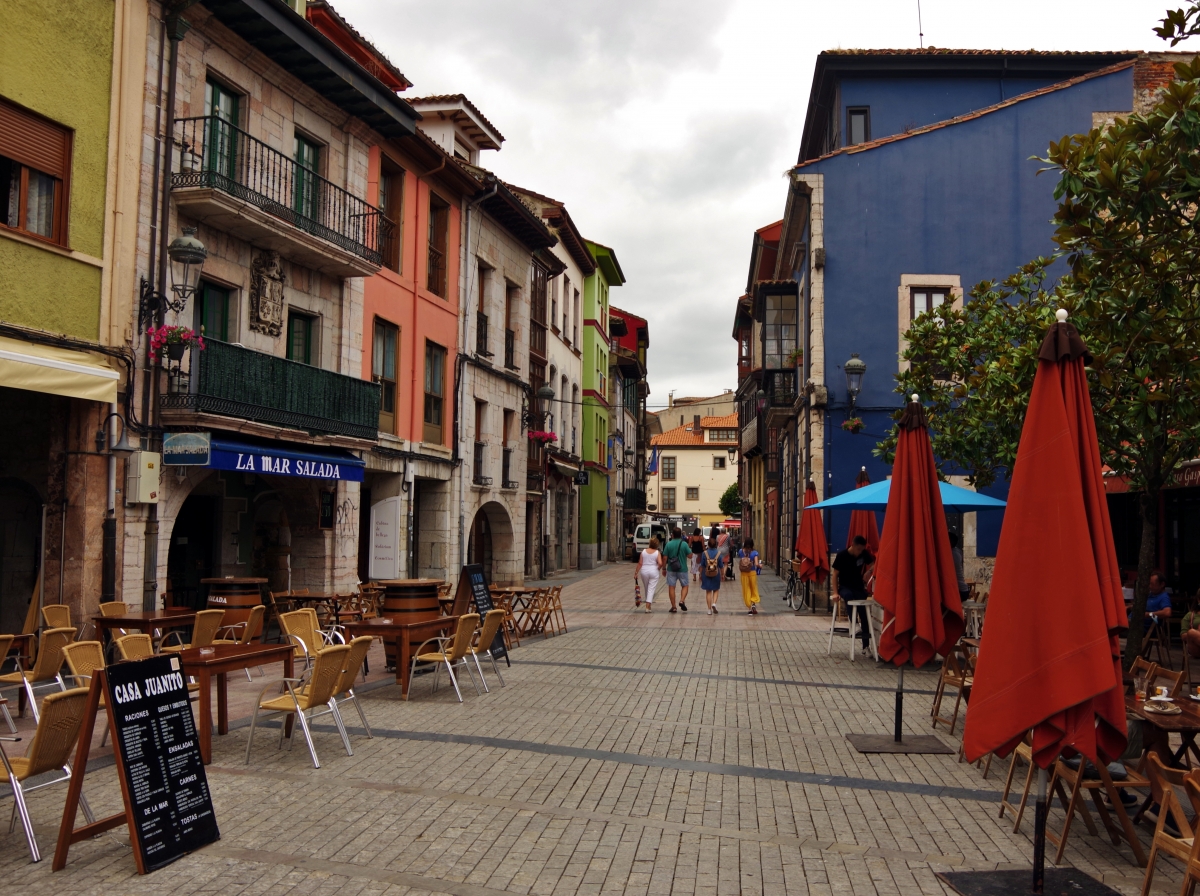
(855, 368)
(541, 407)
(187, 256)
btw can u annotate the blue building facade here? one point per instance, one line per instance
(914, 183)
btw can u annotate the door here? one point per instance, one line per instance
(479, 544)
(190, 557)
(560, 541)
(20, 529)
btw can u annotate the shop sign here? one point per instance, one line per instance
(1188, 476)
(186, 449)
(385, 540)
(581, 478)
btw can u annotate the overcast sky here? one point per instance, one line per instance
(666, 126)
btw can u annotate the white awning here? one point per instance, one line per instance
(57, 371)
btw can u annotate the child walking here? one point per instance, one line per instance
(749, 566)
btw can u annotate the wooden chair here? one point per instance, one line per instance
(83, 659)
(343, 691)
(302, 699)
(955, 676)
(1191, 787)
(1023, 752)
(512, 634)
(243, 632)
(1164, 783)
(1155, 640)
(492, 621)
(46, 668)
(1165, 678)
(453, 653)
(1080, 781)
(204, 631)
(57, 616)
(49, 751)
(556, 607)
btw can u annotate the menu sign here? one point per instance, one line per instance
(169, 806)
(473, 576)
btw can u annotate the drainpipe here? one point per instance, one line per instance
(108, 568)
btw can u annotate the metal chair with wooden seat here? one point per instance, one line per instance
(453, 653)
(49, 751)
(304, 698)
(47, 668)
(1164, 784)
(204, 631)
(492, 621)
(83, 659)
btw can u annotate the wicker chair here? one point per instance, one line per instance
(46, 667)
(57, 616)
(343, 691)
(135, 647)
(304, 631)
(83, 659)
(50, 750)
(204, 631)
(492, 621)
(326, 672)
(456, 655)
(242, 632)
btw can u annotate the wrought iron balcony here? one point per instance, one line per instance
(238, 382)
(506, 479)
(481, 334)
(477, 467)
(510, 349)
(243, 186)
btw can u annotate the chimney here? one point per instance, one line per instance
(696, 423)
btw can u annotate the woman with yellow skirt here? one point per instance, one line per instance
(749, 566)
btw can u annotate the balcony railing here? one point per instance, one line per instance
(481, 334)
(477, 468)
(238, 382)
(780, 386)
(506, 479)
(220, 156)
(510, 349)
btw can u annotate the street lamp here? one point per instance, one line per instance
(761, 397)
(732, 449)
(545, 395)
(187, 255)
(855, 369)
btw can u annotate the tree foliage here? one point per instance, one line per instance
(1127, 229)
(1179, 24)
(731, 501)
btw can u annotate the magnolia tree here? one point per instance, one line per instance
(1129, 241)
(731, 502)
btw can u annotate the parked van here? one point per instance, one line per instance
(642, 535)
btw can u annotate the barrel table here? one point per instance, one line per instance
(237, 597)
(406, 601)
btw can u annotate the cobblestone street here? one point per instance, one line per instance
(637, 754)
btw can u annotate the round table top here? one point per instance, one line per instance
(234, 580)
(410, 582)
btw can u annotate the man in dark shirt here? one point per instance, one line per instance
(848, 581)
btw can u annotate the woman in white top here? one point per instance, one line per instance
(649, 570)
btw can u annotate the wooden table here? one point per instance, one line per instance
(333, 601)
(1186, 724)
(150, 619)
(525, 617)
(226, 658)
(403, 636)
(22, 646)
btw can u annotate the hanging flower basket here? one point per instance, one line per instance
(854, 425)
(544, 438)
(176, 340)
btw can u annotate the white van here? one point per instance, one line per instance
(642, 535)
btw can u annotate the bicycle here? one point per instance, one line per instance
(796, 597)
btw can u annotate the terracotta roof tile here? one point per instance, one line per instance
(682, 436)
(729, 421)
(948, 51)
(442, 99)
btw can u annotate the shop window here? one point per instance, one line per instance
(35, 162)
(439, 242)
(383, 371)
(211, 312)
(300, 338)
(435, 390)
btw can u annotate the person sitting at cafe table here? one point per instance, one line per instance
(848, 581)
(1189, 629)
(1158, 601)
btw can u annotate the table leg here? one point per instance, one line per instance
(404, 654)
(205, 716)
(288, 673)
(222, 704)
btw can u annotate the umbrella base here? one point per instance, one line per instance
(887, 743)
(1059, 882)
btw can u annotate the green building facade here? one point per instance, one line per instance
(594, 451)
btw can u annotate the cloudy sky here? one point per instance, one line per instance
(667, 125)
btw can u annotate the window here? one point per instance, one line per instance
(722, 435)
(554, 305)
(391, 204)
(537, 311)
(307, 201)
(221, 105)
(780, 329)
(383, 371)
(35, 161)
(693, 494)
(566, 301)
(718, 463)
(435, 389)
(300, 338)
(481, 318)
(439, 242)
(575, 320)
(858, 125)
(668, 468)
(926, 299)
(668, 499)
(512, 299)
(211, 312)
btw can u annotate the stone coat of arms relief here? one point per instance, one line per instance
(266, 293)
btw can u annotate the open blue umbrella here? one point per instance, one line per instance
(875, 497)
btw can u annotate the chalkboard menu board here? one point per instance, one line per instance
(168, 801)
(473, 577)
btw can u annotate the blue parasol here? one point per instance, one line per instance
(875, 497)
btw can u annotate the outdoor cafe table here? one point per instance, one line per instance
(524, 613)
(168, 617)
(226, 658)
(403, 636)
(333, 601)
(1186, 724)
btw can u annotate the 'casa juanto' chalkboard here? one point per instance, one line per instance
(473, 575)
(169, 803)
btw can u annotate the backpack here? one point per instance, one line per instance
(745, 564)
(712, 566)
(673, 563)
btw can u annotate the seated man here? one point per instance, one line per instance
(848, 581)
(1158, 604)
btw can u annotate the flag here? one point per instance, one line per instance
(652, 467)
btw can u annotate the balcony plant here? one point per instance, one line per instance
(544, 438)
(795, 357)
(853, 425)
(176, 340)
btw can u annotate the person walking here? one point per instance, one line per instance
(711, 568)
(749, 566)
(676, 553)
(697, 546)
(723, 547)
(649, 571)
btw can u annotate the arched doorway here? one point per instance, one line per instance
(479, 544)
(20, 530)
(490, 544)
(192, 555)
(272, 543)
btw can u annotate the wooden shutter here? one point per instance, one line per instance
(34, 141)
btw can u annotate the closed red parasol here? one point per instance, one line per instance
(810, 541)
(862, 522)
(1049, 659)
(915, 580)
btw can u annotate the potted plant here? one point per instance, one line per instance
(853, 425)
(795, 358)
(176, 340)
(544, 438)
